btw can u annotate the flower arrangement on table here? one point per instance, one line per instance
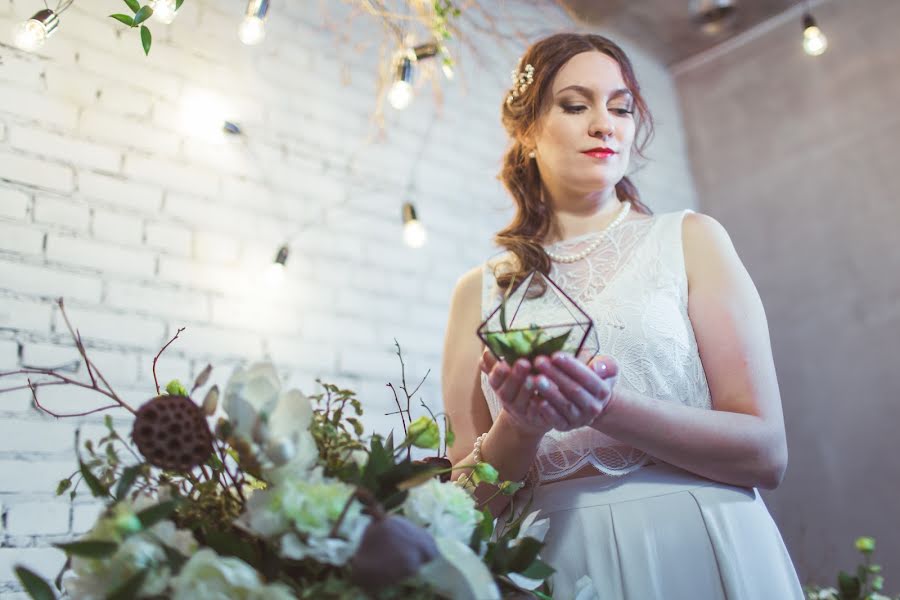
(285, 497)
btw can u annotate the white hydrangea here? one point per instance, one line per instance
(302, 511)
(208, 576)
(445, 510)
(92, 579)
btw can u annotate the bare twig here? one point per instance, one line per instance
(155, 380)
(37, 403)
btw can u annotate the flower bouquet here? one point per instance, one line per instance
(554, 322)
(866, 584)
(283, 496)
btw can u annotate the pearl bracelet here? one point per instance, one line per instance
(464, 480)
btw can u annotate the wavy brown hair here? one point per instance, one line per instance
(534, 218)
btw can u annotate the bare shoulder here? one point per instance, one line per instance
(708, 249)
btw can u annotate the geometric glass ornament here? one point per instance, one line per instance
(538, 318)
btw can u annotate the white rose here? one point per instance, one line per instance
(459, 573)
(444, 509)
(249, 393)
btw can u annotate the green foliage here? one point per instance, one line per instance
(866, 584)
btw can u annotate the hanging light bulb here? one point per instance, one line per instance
(814, 41)
(275, 273)
(401, 92)
(32, 34)
(164, 11)
(253, 28)
(414, 234)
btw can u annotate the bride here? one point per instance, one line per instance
(647, 459)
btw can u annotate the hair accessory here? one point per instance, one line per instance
(521, 81)
(531, 154)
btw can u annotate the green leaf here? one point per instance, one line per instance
(178, 4)
(509, 488)
(357, 426)
(153, 515)
(146, 39)
(848, 585)
(129, 475)
(107, 420)
(554, 344)
(541, 595)
(226, 543)
(486, 528)
(866, 545)
(878, 583)
(142, 15)
(64, 484)
(124, 19)
(449, 436)
(538, 570)
(485, 472)
(89, 548)
(523, 554)
(34, 584)
(97, 488)
(134, 5)
(129, 589)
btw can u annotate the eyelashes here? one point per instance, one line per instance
(575, 109)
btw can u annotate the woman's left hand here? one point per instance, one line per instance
(580, 393)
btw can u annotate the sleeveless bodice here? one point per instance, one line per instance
(634, 288)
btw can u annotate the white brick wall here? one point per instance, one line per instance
(108, 200)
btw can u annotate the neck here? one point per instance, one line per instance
(577, 214)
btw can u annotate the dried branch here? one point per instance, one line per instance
(155, 380)
(37, 403)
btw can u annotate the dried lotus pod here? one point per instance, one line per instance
(172, 434)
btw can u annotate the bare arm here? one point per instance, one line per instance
(742, 441)
(507, 447)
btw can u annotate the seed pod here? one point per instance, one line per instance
(171, 433)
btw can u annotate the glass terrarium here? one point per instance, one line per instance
(538, 318)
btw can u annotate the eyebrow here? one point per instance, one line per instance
(590, 93)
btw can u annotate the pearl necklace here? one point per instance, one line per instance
(623, 212)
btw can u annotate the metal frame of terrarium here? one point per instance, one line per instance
(588, 323)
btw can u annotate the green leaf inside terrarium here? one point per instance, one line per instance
(525, 343)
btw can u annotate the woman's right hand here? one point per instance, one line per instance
(516, 387)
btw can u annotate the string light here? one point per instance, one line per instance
(414, 233)
(275, 273)
(253, 28)
(401, 92)
(33, 33)
(164, 11)
(814, 41)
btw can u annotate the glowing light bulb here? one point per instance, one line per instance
(29, 36)
(32, 34)
(164, 10)
(400, 94)
(275, 274)
(414, 234)
(814, 41)
(252, 30)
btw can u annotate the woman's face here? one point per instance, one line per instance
(590, 108)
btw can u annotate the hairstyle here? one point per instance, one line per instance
(520, 176)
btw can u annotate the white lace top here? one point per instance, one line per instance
(634, 288)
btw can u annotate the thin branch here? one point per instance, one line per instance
(399, 408)
(37, 403)
(155, 380)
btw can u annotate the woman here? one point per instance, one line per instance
(649, 456)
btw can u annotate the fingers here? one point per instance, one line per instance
(541, 411)
(510, 388)
(570, 411)
(487, 361)
(576, 382)
(605, 366)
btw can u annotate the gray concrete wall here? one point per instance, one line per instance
(799, 158)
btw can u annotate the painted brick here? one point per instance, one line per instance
(22, 238)
(36, 172)
(13, 203)
(158, 301)
(119, 191)
(43, 477)
(39, 107)
(171, 239)
(46, 562)
(51, 283)
(25, 315)
(114, 327)
(38, 518)
(100, 256)
(62, 212)
(65, 148)
(117, 227)
(9, 355)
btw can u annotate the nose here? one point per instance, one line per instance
(602, 125)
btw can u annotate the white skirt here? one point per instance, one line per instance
(663, 533)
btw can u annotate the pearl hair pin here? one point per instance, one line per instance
(623, 212)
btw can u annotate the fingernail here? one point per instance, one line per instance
(543, 384)
(529, 384)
